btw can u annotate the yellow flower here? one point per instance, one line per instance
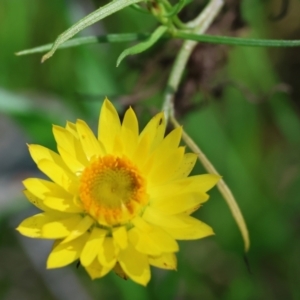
(117, 202)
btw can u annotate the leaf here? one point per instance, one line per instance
(108, 38)
(143, 45)
(215, 39)
(177, 8)
(90, 19)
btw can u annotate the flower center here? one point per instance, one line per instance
(112, 190)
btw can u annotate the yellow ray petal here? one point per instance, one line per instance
(91, 247)
(63, 178)
(39, 153)
(90, 144)
(186, 166)
(129, 133)
(109, 125)
(32, 226)
(155, 235)
(95, 270)
(143, 243)
(164, 170)
(178, 203)
(107, 255)
(66, 253)
(155, 217)
(166, 261)
(135, 265)
(198, 183)
(195, 230)
(71, 127)
(140, 155)
(169, 143)
(63, 204)
(82, 227)
(60, 228)
(153, 242)
(120, 272)
(36, 201)
(130, 122)
(120, 236)
(155, 129)
(71, 161)
(42, 188)
(70, 144)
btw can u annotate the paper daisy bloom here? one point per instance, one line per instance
(117, 202)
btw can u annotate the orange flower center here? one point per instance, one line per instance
(112, 190)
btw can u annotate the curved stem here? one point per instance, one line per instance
(201, 23)
(222, 186)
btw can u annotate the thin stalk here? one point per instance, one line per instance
(204, 20)
(200, 25)
(222, 186)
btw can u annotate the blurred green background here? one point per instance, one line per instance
(241, 105)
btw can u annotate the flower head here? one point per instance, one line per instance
(119, 201)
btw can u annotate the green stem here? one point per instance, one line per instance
(202, 22)
(108, 38)
(235, 41)
(222, 186)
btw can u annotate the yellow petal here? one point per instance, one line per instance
(135, 265)
(143, 243)
(70, 144)
(140, 156)
(71, 127)
(155, 129)
(66, 253)
(178, 203)
(90, 144)
(42, 188)
(152, 237)
(169, 143)
(63, 204)
(36, 201)
(152, 241)
(120, 236)
(155, 217)
(107, 253)
(91, 248)
(32, 226)
(166, 261)
(129, 133)
(186, 166)
(198, 183)
(59, 228)
(109, 125)
(65, 179)
(120, 272)
(130, 122)
(203, 182)
(82, 227)
(195, 230)
(71, 161)
(95, 270)
(39, 153)
(163, 170)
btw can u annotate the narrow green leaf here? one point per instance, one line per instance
(215, 39)
(177, 8)
(155, 36)
(140, 9)
(109, 38)
(90, 19)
